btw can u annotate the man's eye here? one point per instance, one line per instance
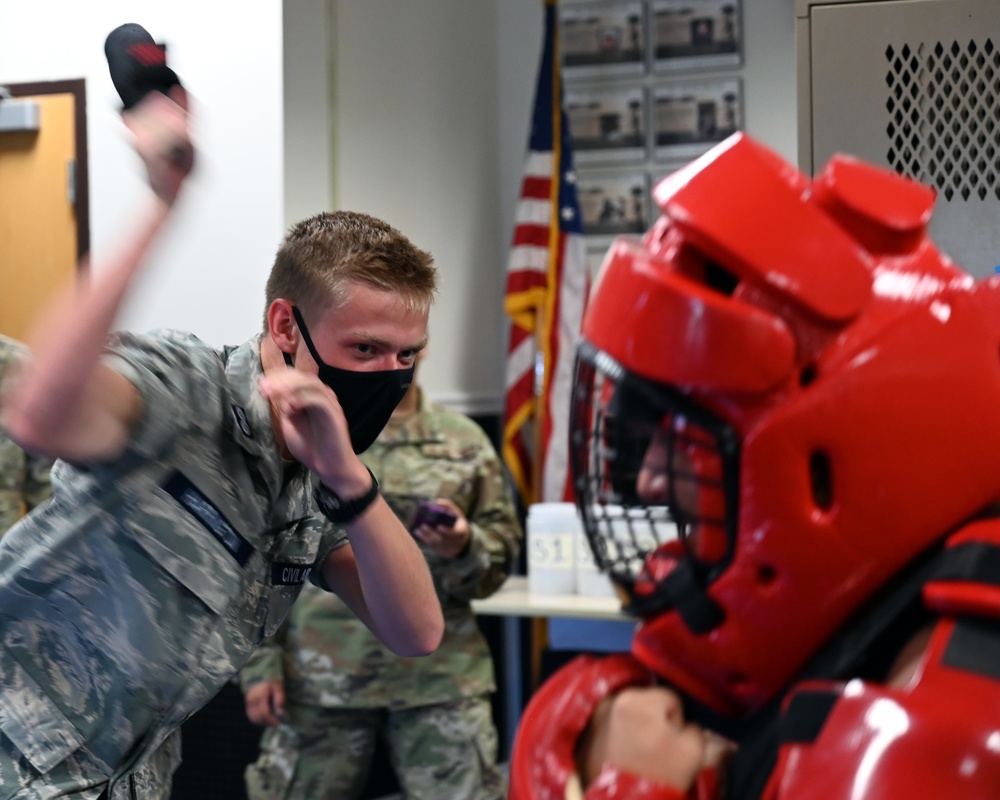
(365, 349)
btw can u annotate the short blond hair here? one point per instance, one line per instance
(320, 255)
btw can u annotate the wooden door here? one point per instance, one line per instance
(43, 202)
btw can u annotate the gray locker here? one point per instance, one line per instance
(912, 85)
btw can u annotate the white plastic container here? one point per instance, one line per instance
(590, 581)
(552, 532)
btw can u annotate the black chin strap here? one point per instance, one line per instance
(685, 591)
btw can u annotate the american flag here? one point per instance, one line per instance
(547, 286)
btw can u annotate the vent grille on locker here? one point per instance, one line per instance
(943, 128)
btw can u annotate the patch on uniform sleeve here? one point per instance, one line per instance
(289, 574)
(205, 511)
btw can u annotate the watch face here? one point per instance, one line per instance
(326, 501)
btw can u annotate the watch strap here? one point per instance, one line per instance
(337, 509)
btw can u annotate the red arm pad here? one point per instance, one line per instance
(613, 784)
(542, 760)
(543, 757)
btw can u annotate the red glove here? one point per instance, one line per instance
(543, 759)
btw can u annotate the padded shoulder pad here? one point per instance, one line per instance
(967, 580)
(928, 739)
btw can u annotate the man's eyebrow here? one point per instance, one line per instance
(385, 344)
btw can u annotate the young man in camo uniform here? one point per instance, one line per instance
(192, 488)
(24, 478)
(327, 688)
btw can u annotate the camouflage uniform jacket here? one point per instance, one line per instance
(132, 596)
(24, 479)
(327, 658)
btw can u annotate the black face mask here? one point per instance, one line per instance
(367, 398)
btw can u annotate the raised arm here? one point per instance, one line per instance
(64, 403)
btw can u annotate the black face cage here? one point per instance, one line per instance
(619, 422)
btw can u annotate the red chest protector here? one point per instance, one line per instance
(936, 737)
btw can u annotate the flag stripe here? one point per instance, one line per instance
(529, 257)
(532, 236)
(546, 292)
(537, 188)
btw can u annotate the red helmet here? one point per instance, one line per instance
(785, 394)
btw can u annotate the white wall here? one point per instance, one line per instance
(308, 118)
(209, 274)
(769, 84)
(413, 111)
(417, 144)
(431, 124)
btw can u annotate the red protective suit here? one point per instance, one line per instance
(935, 736)
(786, 412)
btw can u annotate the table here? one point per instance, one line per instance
(513, 600)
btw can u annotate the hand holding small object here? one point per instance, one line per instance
(442, 526)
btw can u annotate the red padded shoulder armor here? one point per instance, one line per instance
(937, 736)
(968, 581)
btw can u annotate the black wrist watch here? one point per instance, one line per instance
(338, 510)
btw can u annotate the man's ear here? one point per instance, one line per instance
(281, 326)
